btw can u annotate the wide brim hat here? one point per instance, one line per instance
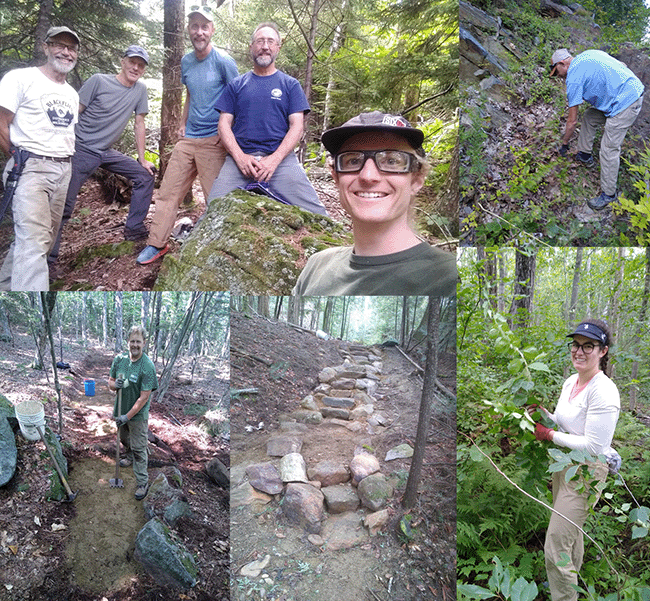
(334, 138)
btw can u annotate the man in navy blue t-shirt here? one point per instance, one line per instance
(261, 122)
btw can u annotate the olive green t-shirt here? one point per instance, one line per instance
(421, 270)
(141, 375)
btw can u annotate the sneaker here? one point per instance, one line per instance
(151, 254)
(600, 202)
(126, 462)
(141, 491)
(585, 158)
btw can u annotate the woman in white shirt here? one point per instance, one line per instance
(586, 416)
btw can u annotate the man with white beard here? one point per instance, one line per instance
(261, 122)
(38, 112)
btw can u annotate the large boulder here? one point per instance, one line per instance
(165, 501)
(8, 452)
(166, 560)
(304, 504)
(248, 244)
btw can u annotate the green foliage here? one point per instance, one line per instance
(472, 137)
(621, 20)
(638, 212)
(503, 583)
(527, 174)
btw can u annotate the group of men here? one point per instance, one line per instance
(43, 121)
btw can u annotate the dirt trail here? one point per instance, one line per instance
(102, 535)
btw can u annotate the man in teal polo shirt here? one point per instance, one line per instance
(134, 373)
(615, 95)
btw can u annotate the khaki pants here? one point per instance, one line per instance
(133, 435)
(563, 537)
(610, 146)
(191, 157)
(37, 208)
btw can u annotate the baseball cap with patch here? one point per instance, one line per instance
(334, 138)
(205, 11)
(559, 55)
(137, 51)
(54, 31)
(590, 330)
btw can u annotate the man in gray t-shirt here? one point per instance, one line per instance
(106, 103)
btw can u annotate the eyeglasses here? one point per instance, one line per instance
(587, 347)
(270, 41)
(196, 7)
(387, 161)
(59, 46)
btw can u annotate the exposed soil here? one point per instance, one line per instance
(99, 219)
(88, 555)
(282, 364)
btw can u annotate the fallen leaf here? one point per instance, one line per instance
(13, 549)
(191, 491)
(37, 520)
(58, 527)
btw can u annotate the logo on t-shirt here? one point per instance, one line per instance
(59, 109)
(276, 93)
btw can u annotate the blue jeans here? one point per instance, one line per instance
(289, 181)
(84, 164)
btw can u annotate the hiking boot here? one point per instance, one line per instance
(600, 202)
(141, 491)
(585, 158)
(151, 254)
(126, 462)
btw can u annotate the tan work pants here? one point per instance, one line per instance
(610, 146)
(191, 157)
(563, 537)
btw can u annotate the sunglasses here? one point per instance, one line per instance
(196, 7)
(387, 161)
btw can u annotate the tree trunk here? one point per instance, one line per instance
(263, 306)
(166, 376)
(119, 340)
(639, 333)
(41, 335)
(44, 20)
(5, 331)
(575, 286)
(48, 300)
(105, 321)
(334, 48)
(426, 405)
(156, 324)
(172, 96)
(327, 314)
(523, 290)
(345, 312)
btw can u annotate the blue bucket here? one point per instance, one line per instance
(89, 386)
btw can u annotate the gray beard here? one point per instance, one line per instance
(61, 67)
(263, 61)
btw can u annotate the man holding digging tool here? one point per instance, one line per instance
(133, 376)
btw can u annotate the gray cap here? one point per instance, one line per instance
(54, 31)
(137, 51)
(559, 55)
(334, 138)
(205, 11)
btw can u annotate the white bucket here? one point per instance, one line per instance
(30, 414)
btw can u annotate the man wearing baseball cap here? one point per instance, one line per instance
(106, 105)
(379, 166)
(199, 151)
(615, 95)
(38, 111)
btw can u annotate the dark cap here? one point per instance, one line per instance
(136, 51)
(590, 330)
(54, 31)
(334, 138)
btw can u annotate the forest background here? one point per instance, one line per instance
(515, 310)
(349, 55)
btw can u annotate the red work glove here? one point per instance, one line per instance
(543, 433)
